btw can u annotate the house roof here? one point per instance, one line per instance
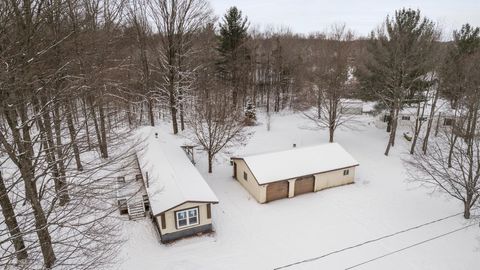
(296, 162)
(172, 178)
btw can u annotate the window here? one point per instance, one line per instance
(406, 118)
(122, 206)
(121, 179)
(447, 121)
(345, 172)
(187, 217)
(245, 176)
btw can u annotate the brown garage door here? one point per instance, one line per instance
(277, 190)
(304, 185)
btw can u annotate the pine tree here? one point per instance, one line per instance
(232, 50)
(400, 57)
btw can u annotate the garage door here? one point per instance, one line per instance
(304, 185)
(277, 190)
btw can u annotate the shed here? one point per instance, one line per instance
(180, 199)
(289, 173)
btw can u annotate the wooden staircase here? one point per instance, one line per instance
(136, 210)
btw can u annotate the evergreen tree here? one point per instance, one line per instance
(399, 58)
(466, 42)
(233, 62)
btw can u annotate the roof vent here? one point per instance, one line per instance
(294, 145)
(156, 135)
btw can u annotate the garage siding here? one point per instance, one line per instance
(251, 185)
(334, 178)
(319, 182)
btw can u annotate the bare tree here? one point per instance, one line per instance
(176, 22)
(16, 236)
(331, 82)
(460, 179)
(215, 126)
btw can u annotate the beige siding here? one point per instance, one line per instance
(170, 217)
(251, 185)
(322, 181)
(334, 178)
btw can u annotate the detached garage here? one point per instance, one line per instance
(290, 173)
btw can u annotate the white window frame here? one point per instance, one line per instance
(187, 211)
(346, 172)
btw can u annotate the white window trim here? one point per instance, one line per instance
(177, 220)
(346, 172)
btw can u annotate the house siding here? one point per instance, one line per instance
(170, 224)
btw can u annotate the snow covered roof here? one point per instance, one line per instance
(298, 162)
(172, 178)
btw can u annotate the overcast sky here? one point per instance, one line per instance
(306, 16)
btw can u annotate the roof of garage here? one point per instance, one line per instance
(172, 178)
(298, 162)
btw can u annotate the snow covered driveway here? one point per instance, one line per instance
(381, 202)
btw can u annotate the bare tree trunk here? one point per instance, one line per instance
(319, 105)
(467, 205)
(332, 121)
(24, 161)
(103, 131)
(391, 140)
(452, 147)
(438, 124)
(173, 111)
(416, 131)
(58, 171)
(390, 120)
(418, 126)
(73, 135)
(87, 131)
(64, 197)
(430, 122)
(182, 118)
(150, 112)
(11, 222)
(129, 115)
(210, 161)
(95, 124)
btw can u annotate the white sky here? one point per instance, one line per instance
(362, 16)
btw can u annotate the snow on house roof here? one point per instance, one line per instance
(172, 178)
(298, 162)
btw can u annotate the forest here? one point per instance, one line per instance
(78, 76)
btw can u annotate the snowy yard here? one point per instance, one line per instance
(249, 235)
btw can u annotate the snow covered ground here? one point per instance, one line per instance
(382, 202)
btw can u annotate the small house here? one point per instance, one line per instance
(180, 200)
(285, 174)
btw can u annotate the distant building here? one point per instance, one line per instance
(289, 173)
